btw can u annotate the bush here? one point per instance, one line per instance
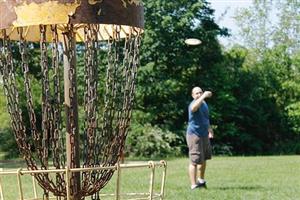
(9, 146)
(152, 142)
(290, 147)
(222, 149)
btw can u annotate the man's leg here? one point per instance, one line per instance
(192, 173)
(206, 154)
(202, 170)
(201, 174)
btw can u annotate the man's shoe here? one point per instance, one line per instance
(195, 187)
(202, 185)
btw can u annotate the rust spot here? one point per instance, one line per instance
(7, 13)
(131, 2)
(44, 13)
(45, 1)
(99, 12)
(22, 13)
(93, 2)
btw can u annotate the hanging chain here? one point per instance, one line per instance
(57, 139)
(46, 111)
(119, 98)
(90, 102)
(42, 151)
(28, 93)
(103, 144)
(72, 112)
(110, 93)
(11, 92)
(47, 118)
(107, 140)
(90, 95)
(43, 179)
(13, 105)
(134, 63)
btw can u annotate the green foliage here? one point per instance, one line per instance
(169, 68)
(4, 116)
(222, 150)
(255, 106)
(8, 144)
(293, 111)
(263, 91)
(9, 147)
(152, 142)
(268, 24)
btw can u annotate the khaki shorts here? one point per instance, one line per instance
(199, 148)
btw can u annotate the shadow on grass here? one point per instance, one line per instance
(238, 188)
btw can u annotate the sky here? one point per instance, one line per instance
(229, 7)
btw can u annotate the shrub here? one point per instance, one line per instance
(222, 149)
(9, 147)
(151, 142)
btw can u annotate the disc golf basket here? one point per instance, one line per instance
(108, 32)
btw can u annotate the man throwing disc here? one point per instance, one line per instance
(198, 134)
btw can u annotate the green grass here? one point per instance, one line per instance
(240, 178)
(232, 178)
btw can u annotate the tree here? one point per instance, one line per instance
(287, 30)
(255, 26)
(268, 24)
(170, 68)
(276, 71)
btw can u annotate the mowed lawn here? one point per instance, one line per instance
(239, 178)
(232, 178)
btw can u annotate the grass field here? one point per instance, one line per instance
(232, 178)
(240, 178)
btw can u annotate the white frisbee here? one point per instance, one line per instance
(192, 41)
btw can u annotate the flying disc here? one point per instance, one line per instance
(192, 41)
